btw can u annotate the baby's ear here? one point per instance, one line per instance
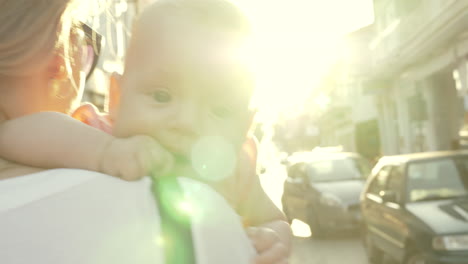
(114, 95)
(250, 147)
(250, 121)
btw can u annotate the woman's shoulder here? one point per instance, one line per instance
(71, 183)
(82, 215)
(10, 169)
(96, 214)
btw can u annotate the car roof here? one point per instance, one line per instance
(307, 156)
(422, 156)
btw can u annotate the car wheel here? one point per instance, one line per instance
(374, 254)
(314, 225)
(415, 258)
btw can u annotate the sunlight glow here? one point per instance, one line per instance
(295, 41)
(185, 207)
(300, 229)
(322, 101)
(213, 158)
(160, 241)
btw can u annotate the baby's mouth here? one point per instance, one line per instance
(181, 159)
(180, 147)
(183, 167)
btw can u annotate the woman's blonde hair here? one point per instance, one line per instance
(30, 32)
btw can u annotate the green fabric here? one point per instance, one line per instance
(175, 224)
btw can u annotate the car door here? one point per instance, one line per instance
(393, 228)
(295, 189)
(372, 205)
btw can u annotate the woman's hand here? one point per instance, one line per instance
(270, 248)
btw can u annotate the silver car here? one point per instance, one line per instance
(322, 190)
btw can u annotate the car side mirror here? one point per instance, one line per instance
(304, 182)
(389, 196)
(298, 179)
(262, 170)
(301, 180)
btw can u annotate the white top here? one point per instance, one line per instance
(75, 216)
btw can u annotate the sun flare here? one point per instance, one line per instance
(294, 43)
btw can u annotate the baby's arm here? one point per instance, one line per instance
(267, 226)
(54, 140)
(268, 229)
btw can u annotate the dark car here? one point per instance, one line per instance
(322, 190)
(415, 208)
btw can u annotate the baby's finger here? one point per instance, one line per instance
(167, 164)
(277, 254)
(159, 161)
(108, 167)
(145, 160)
(283, 261)
(262, 238)
(130, 171)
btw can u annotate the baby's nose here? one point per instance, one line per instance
(188, 119)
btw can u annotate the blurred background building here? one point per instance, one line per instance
(418, 47)
(114, 23)
(400, 85)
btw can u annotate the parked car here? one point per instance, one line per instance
(322, 190)
(415, 208)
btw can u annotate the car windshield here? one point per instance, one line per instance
(337, 169)
(437, 179)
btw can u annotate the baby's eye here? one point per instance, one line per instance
(222, 111)
(162, 96)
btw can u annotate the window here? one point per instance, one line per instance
(296, 171)
(395, 182)
(379, 182)
(336, 169)
(435, 179)
(405, 7)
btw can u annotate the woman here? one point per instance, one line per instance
(70, 215)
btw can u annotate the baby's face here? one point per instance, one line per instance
(181, 85)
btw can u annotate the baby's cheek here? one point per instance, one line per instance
(245, 222)
(126, 123)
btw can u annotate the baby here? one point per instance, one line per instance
(185, 94)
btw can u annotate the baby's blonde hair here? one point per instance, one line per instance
(212, 15)
(30, 32)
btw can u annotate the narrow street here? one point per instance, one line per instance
(337, 250)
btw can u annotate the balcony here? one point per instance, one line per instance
(409, 38)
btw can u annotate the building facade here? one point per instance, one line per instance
(350, 119)
(419, 55)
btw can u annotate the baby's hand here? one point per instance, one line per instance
(134, 157)
(269, 246)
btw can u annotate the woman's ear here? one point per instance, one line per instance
(56, 68)
(114, 95)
